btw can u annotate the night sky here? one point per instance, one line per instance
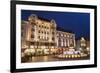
(78, 23)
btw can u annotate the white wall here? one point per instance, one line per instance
(5, 37)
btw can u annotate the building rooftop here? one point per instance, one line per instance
(23, 22)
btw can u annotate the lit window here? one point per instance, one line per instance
(61, 34)
(32, 29)
(42, 31)
(45, 32)
(32, 36)
(39, 37)
(61, 42)
(53, 38)
(65, 35)
(52, 32)
(39, 31)
(57, 34)
(45, 27)
(68, 36)
(42, 26)
(39, 26)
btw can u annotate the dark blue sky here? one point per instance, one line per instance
(79, 23)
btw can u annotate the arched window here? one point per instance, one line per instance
(32, 36)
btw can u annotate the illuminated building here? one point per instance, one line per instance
(24, 34)
(43, 37)
(65, 40)
(83, 42)
(85, 45)
(40, 34)
(88, 47)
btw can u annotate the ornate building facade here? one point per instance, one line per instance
(42, 36)
(65, 41)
